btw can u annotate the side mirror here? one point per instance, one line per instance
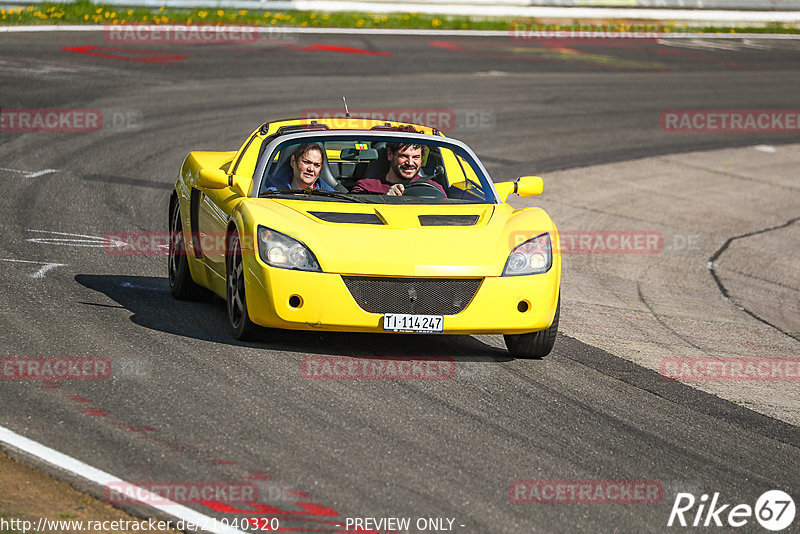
(525, 186)
(213, 179)
(529, 186)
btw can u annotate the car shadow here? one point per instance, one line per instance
(149, 300)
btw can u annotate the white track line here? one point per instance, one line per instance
(288, 30)
(40, 173)
(87, 472)
(46, 266)
(27, 174)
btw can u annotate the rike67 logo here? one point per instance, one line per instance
(774, 510)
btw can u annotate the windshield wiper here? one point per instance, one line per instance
(317, 192)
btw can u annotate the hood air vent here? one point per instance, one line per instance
(448, 220)
(347, 218)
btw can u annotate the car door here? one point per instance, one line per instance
(215, 205)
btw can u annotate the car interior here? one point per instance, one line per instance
(345, 162)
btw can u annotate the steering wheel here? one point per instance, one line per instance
(329, 179)
(423, 188)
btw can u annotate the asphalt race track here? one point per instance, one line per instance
(187, 402)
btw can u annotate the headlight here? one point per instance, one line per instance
(534, 256)
(280, 250)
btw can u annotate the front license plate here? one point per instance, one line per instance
(404, 322)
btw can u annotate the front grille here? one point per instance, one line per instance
(425, 296)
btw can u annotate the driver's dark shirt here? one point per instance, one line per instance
(380, 186)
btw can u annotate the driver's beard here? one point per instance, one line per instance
(396, 169)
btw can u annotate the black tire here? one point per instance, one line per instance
(535, 345)
(236, 303)
(181, 284)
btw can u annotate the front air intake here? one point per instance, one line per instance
(425, 296)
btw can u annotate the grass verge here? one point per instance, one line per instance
(28, 495)
(84, 12)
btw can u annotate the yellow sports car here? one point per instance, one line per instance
(377, 227)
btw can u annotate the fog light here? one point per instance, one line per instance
(523, 306)
(295, 301)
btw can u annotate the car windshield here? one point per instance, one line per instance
(363, 168)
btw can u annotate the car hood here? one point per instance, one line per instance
(459, 240)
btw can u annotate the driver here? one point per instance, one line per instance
(405, 161)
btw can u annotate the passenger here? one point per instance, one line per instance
(306, 163)
(405, 161)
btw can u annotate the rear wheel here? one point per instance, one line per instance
(241, 325)
(181, 284)
(535, 345)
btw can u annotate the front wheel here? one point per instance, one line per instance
(535, 345)
(241, 325)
